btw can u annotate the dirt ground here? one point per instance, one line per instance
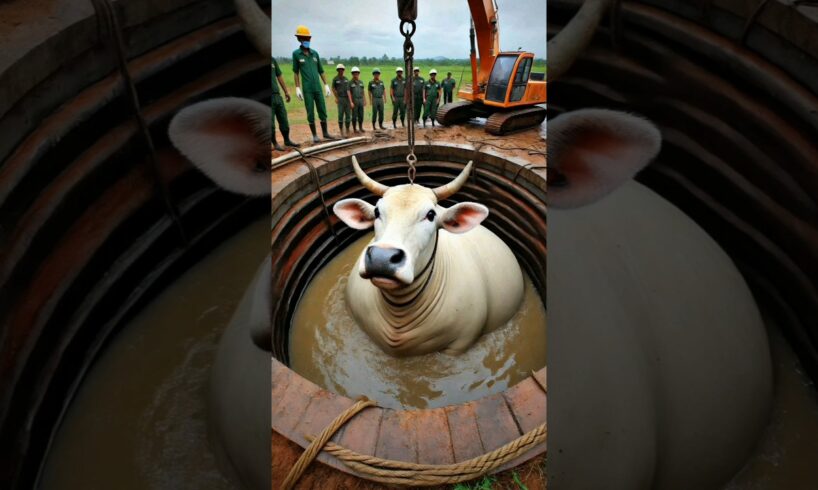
(525, 144)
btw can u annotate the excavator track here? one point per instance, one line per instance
(456, 112)
(501, 123)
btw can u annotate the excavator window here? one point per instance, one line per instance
(500, 78)
(521, 80)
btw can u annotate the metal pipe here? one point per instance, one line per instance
(292, 156)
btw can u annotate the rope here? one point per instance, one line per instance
(110, 23)
(393, 472)
(318, 443)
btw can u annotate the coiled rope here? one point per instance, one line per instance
(404, 473)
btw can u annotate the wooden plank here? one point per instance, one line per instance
(293, 405)
(495, 422)
(434, 439)
(361, 432)
(322, 410)
(398, 436)
(528, 404)
(466, 442)
(280, 378)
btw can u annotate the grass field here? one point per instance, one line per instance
(297, 114)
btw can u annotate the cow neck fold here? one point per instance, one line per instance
(407, 307)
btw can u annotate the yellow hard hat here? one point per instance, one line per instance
(302, 31)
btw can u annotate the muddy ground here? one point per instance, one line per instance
(525, 144)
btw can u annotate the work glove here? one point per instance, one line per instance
(326, 89)
(299, 94)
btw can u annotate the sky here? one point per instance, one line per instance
(344, 28)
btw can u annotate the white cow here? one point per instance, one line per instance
(432, 279)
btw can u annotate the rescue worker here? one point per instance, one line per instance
(356, 92)
(309, 74)
(377, 90)
(417, 91)
(397, 90)
(448, 84)
(280, 110)
(431, 97)
(340, 88)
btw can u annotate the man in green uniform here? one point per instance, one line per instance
(356, 92)
(279, 110)
(431, 97)
(340, 87)
(309, 74)
(449, 84)
(397, 90)
(417, 91)
(377, 90)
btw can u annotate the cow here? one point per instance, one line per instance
(433, 278)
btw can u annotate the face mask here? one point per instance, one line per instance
(306, 44)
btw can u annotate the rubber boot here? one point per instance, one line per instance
(276, 145)
(288, 141)
(381, 123)
(314, 134)
(341, 129)
(402, 123)
(394, 124)
(325, 131)
(373, 126)
(347, 125)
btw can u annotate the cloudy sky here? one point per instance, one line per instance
(370, 27)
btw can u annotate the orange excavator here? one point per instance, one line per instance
(504, 89)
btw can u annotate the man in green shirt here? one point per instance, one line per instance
(340, 87)
(431, 97)
(397, 90)
(449, 84)
(377, 90)
(417, 91)
(309, 74)
(279, 109)
(356, 91)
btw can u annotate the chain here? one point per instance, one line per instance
(407, 29)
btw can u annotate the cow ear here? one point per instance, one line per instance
(463, 217)
(592, 152)
(229, 140)
(356, 213)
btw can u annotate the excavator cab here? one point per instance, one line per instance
(508, 83)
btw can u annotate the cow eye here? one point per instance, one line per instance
(431, 215)
(377, 213)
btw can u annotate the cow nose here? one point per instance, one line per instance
(382, 261)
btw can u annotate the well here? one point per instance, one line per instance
(305, 236)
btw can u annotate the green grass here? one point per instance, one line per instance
(491, 483)
(297, 114)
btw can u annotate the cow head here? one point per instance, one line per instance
(406, 220)
(229, 138)
(591, 152)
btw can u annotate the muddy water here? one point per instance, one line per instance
(328, 348)
(139, 421)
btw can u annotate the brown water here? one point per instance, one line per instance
(328, 348)
(139, 421)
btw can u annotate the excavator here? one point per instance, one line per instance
(504, 89)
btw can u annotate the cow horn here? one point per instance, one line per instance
(445, 191)
(256, 26)
(565, 47)
(375, 187)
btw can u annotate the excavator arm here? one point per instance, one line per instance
(487, 31)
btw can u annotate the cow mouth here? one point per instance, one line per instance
(384, 282)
